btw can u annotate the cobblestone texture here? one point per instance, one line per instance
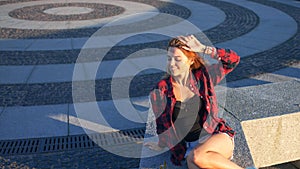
(163, 7)
(55, 93)
(281, 56)
(231, 28)
(95, 158)
(37, 12)
(276, 58)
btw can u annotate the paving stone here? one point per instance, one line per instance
(163, 7)
(8, 74)
(31, 122)
(277, 141)
(296, 164)
(270, 110)
(264, 100)
(235, 25)
(97, 158)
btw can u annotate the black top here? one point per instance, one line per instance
(187, 119)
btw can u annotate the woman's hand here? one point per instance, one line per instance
(153, 146)
(193, 44)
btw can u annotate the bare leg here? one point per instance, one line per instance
(214, 153)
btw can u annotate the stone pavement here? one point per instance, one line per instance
(51, 60)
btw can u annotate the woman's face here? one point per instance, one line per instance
(178, 63)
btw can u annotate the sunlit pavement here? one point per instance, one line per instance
(43, 43)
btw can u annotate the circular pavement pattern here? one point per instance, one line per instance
(27, 19)
(230, 28)
(66, 12)
(30, 15)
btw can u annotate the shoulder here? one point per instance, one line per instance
(199, 72)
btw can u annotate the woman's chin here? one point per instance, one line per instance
(174, 73)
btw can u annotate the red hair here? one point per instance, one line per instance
(193, 56)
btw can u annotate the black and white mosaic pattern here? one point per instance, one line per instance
(86, 11)
(41, 40)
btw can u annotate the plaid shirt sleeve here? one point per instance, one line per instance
(178, 152)
(159, 102)
(228, 60)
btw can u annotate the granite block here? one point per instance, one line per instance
(269, 115)
(273, 140)
(262, 101)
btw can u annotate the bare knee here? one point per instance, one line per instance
(199, 158)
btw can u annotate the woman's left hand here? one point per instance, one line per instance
(153, 146)
(193, 44)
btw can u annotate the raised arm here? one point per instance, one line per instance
(227, 61)
(227, 58)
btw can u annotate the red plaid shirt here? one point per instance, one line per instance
(202, 83)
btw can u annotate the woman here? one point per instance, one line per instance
(185, 105)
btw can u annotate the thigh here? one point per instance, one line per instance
(220, 143)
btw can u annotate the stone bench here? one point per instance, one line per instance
(266, 119)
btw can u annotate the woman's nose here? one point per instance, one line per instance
(171, 61)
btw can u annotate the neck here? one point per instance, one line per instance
(182, 79)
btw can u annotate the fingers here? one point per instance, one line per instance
(182, 39)
(185, 39)
(186, 48)
(147, 144)
(152, 146)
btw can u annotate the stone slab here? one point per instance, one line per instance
(15, 44)
(238, 47)
(78, 43)
(264, 32)
(289, 2)
(272, 77)
(262, 101)
(131, 9)
(52, 73)
(270, 18)
(273, 140)
(15, 74)
(285, 74)
(203, 13)
(53, 44)
(33, 122)
(65, 72)
(292, 72)
(61, 120)
(107, 118)
(270, 110)
(245, 83)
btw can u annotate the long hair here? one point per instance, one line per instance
(198, 61)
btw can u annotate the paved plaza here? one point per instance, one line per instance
(75, 75)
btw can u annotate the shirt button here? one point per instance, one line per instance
(192, 88)
(207, 107)
(201, 97)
